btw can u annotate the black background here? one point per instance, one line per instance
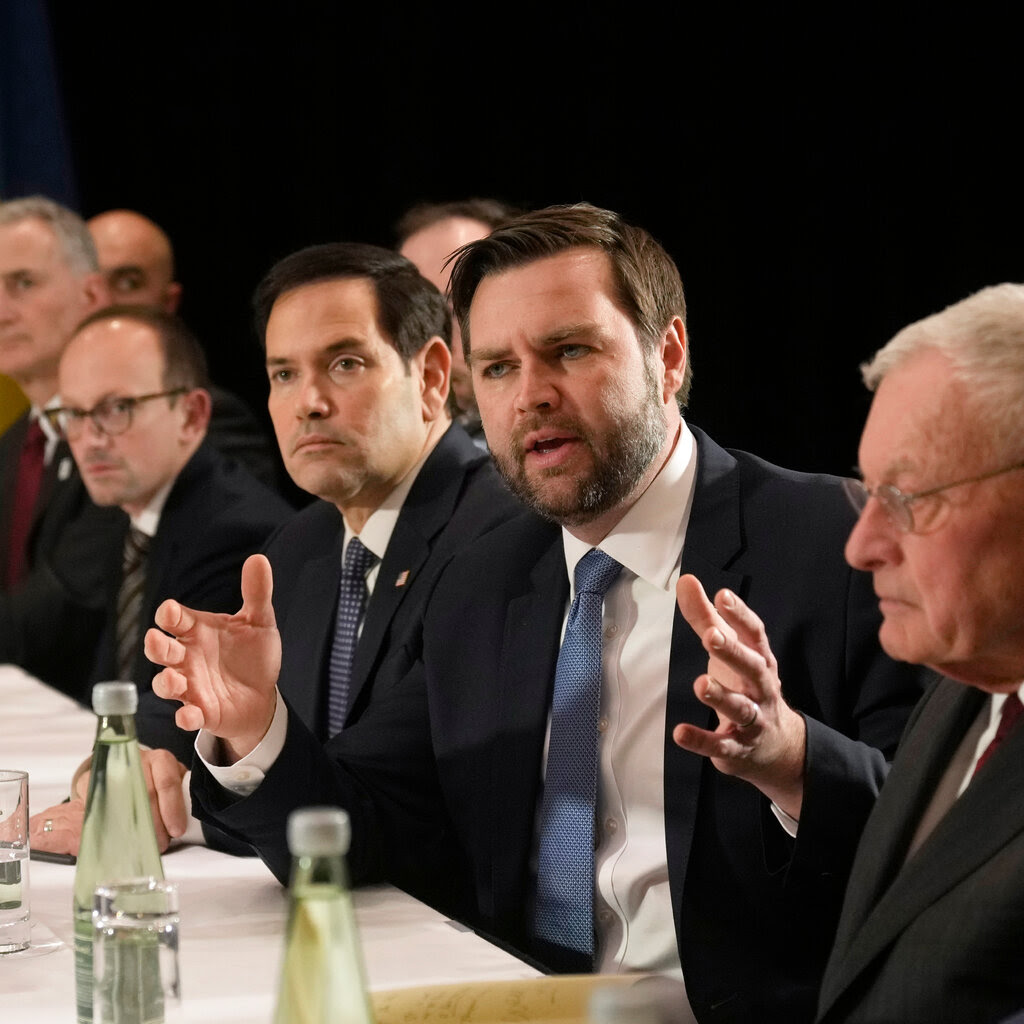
(822, 177)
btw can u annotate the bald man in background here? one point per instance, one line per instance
(137, 260)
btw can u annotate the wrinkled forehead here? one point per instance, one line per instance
(922, 425)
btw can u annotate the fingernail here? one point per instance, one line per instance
(717, 639)
(712, 688)
(728, 599)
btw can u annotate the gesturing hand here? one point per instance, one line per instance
(223, 668)
(759, 738)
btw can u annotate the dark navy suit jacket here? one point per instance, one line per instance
(936, 938)
(443, 779)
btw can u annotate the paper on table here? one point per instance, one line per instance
(561, 1000)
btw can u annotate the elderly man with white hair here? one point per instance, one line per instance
(934, 911)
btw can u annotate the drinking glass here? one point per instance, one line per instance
(15, 926)
(135, 953)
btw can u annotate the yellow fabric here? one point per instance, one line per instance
(12, 402)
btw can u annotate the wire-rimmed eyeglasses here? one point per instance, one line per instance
(899, 506)
(112, 416)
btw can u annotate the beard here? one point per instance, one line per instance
(619, 458)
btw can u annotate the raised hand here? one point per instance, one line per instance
(759, 738)
(223, 668)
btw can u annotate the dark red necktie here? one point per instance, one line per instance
(26, 490)
(1012, 711)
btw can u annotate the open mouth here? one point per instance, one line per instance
(549, 444)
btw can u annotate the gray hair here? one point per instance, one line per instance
(69, 229)
(983, 338)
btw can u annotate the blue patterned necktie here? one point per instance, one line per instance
(352, 596)
(563, 911)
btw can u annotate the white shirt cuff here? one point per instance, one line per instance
(245, 775)
(193, 834)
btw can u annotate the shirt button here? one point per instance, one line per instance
(611, 826)
(243, 775)
(611, 631)
(604, 916)
(602, 725)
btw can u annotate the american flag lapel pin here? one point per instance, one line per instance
(403, 578)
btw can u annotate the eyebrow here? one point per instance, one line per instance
(555, 337)
(343, 345)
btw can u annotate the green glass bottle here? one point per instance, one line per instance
(118, 839)
(322, 977)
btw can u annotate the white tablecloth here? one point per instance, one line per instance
(232, 909)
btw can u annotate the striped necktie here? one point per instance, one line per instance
(129, 600)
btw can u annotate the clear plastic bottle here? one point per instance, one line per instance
(322, 978)
(118, 839)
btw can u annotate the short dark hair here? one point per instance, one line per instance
(410, 310)
(648, 281)
(492, 212)
(184, 360)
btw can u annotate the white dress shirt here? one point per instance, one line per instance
(633, 910)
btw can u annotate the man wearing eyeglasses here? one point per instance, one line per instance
(934, 910)
(135, 409)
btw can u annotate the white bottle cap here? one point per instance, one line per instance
(318, 832)
(115, 698)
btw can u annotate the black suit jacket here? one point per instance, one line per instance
(443, 793)
(936, 938)
(73, 543)
(456, 497)
(216, 515)
(63, 595)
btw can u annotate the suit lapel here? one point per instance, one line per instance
(533, 624)
(714, 537)
(885, 894)
(312, 607)
(427, 509)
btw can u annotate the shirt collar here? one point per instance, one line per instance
(648, 540)
(376, 532)
(148, 519)
(50, 432)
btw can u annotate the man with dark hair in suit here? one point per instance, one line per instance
(528, 774)
(934, 910)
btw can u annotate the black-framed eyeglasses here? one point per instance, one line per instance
(112, 416)
(899, 506)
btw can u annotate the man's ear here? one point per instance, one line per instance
(673, 354)
(198, 406)
(172, 297)
(95, 293)
(434, 362)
